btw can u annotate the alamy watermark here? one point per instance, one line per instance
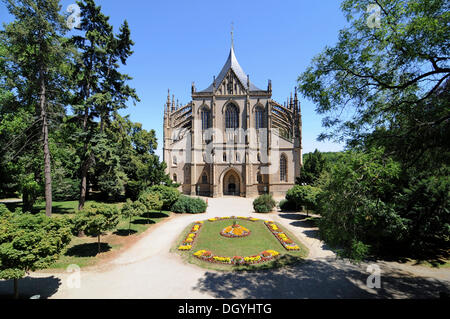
(74, 279)
(374, 279)
(373, 20)
(232, 146)
(74, 20)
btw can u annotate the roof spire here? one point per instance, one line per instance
(232, 40)
(167, 108)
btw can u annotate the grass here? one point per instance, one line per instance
(259, 240)
(66, 208)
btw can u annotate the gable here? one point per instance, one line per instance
(230, 85)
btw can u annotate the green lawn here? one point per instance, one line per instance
(67, 208)
(259, 240)
(138, 224)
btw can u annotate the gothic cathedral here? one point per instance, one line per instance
(233, 139)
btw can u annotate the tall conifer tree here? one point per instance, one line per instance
(102, 88)
(36, 53)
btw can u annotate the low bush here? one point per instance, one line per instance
(151, 201)
(3, 209)
(94, 219)
(190, 205)
(169, 195)
(303, 196)
(286, 205)
(264, 203)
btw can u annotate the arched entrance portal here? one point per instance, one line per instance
(231, 183)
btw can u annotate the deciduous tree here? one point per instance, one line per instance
(28, 243)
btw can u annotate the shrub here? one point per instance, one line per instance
(132, 209)
(64, 188)
(303, 196)
(286, 205)
(169, 195)
(28, 243)
(357, 251)
(95, 219)
(3, 209)
(133, 189)
(151, 201)
(30, 191)
(357, 213)
(264, 203)
(190, 205)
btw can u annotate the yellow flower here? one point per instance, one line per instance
(273, 252)
(252, 259)
(185, 247)
(189, 240)
(222, 259)
(282, 236)
(199, 253)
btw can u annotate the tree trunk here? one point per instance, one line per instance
(85, 164)
(98, 243)
(47, 163)
(84, 171)
(129, 226)
(16, 288)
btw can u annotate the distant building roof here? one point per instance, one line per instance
(232, 63)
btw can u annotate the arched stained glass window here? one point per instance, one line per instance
(175, 178)
(204, 178)
(206, 118)
(259, 118)
(231, 117)
(283, 168)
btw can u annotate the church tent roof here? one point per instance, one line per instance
(232, 63)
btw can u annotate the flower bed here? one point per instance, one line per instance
(214, 219)
(284, 240)
(266, 255)
(235, 231)
(190, 238)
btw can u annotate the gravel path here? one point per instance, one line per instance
(148, 270)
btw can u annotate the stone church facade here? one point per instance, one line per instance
(232, 138)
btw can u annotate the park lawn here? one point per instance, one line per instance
(138, 224)
(260, 239)
(83, 252)
(67, 208)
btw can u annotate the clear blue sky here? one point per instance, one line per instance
(177, 42)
